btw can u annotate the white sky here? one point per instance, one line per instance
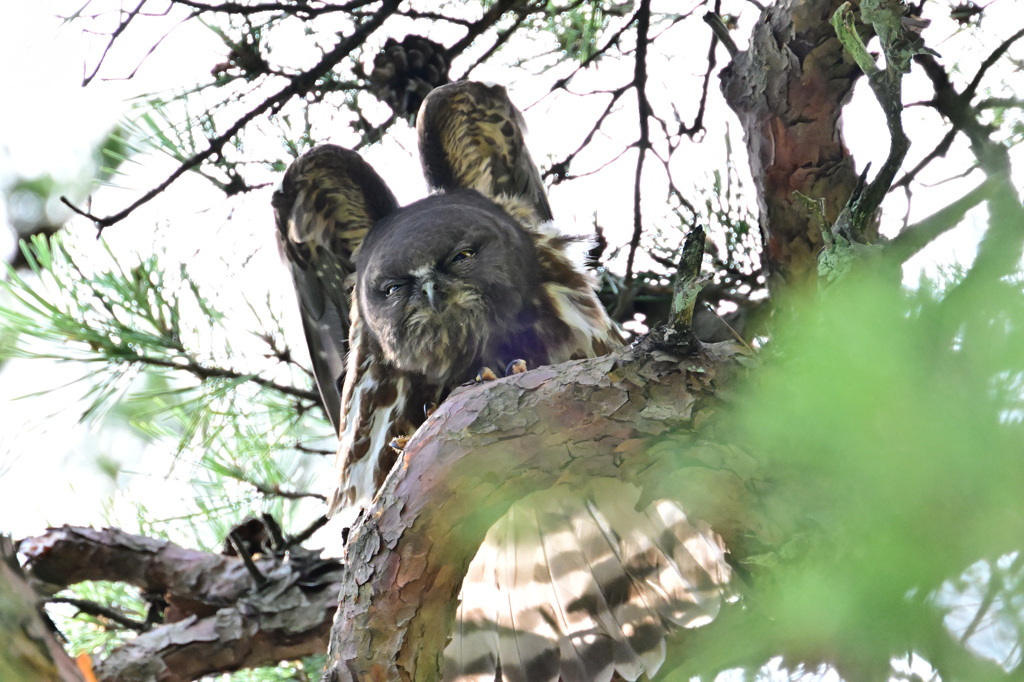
(47, 469)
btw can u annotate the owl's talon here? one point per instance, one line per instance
(486, 374)
(517, 366)
(398, 443)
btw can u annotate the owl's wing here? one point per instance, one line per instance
(579, 590)
(471, 137)
(328, 200)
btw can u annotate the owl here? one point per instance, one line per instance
(401, 305)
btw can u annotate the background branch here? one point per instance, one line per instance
(219, 619)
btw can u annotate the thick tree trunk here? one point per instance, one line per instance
(788, 89)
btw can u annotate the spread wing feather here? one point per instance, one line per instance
(586, 647)
(473, 656)
(328, 200)
(586, 588)
(632, 623)
(471, 136)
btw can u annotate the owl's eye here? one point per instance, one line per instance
(391, 289)
(463, 255)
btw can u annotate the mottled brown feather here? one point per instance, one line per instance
(327, 202)
(471, 136)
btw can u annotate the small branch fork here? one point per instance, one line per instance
(1001, 248)
(887, 87)
(558, 171)
(216, 613)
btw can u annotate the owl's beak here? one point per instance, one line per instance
(432, 297)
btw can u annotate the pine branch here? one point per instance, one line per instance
(222, 620)
(300, 85)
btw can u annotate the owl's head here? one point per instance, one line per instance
(438, 279)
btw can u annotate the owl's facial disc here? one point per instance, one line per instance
(439, 282)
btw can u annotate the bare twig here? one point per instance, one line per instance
(721, 32)
(489, 18)
(503, 37)
(301, 537)
(940, 150)
(300, 85)
(243, 553)
(643, 25)
(698, 120)
(206, 372)
(121, 28)
(275, 491)
(100, 611)
(913, 238)
(955, 106)
(989, 62)
(559, 170)
(612, 41)
(302, 10)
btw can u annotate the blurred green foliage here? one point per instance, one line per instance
(894, 449)
(578, 29)
(163, 364)
(33, 203)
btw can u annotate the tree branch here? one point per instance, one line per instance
(68, 555)
(300, 85)
(100, 611)
(219, 619)
(913, 238)
(1000, 250)
(486, 21)
(769, 87)
(121, 27)
(643, 144)
(31, 650)
(201, 371)
(492, 444)
(887, 86)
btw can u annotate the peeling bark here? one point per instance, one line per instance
(223, 620)
(788, 89)
(628, 416)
